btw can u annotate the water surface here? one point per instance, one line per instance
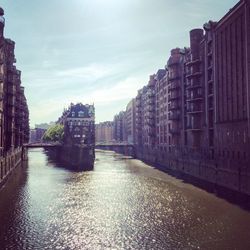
(121, 204)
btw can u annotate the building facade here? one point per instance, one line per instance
(194, 116)
(130, 122)
(161, 113)
(120, 133)
(104, 132)
(231, 51)
(14, 114)
(79, 124)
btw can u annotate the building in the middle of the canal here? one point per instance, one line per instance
(78, 144)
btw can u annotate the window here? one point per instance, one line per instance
(80, 114)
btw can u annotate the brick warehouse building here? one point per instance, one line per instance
(194, 115)
(231, 46)
(104, 132)
(14, 115)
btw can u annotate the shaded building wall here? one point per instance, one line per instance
(208, 107)
(232, 85)
(120, 134)
(14, 114)
(175, 68)
(138, 119)
(130, 121)
(161, 113)
(195, 104)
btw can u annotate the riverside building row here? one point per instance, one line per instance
(193, 116)
(14, 114)
(121, 129)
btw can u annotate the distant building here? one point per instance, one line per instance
(130, 122)
(145, 139)
(161, 110)
(120, 134)
(37, 133)
(104, 132)
(32, 138)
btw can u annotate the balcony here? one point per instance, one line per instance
(11, 89)
(173, 97)
(173, 106)
(195, 98)
(11, 101)
(150, 94)
(193, 86)
(194, 128)
(193, 62)
(151, 132)
(174, 86)
(11, 69)
(11, 113)
(174, 131)
(151, 109)
(150, 101)
(210, 67)
(194, 74)
(173, 78)
(194, 110)
(174, 116)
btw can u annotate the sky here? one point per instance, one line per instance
(97, 51)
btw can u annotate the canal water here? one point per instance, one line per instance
(121, 204)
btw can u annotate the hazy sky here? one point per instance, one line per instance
(99, 51)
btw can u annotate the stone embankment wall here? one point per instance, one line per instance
(127, 150)
(72, 157)
(220, 172)
(9, 162)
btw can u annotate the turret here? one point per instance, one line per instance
(2, 21)
(196, 36)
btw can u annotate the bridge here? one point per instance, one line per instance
(119, 147)
(41, 145)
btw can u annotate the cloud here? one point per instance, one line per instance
(122, 90)
(50, 109)
(90, 72)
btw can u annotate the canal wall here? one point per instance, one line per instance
(75, 157)
(205, 168)
(127, 150)
(10, 161)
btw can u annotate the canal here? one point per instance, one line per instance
(121, 204)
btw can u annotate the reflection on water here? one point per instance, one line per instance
(121, 204)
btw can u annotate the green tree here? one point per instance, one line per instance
(54, 134)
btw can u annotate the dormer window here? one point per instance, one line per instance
(80, 114)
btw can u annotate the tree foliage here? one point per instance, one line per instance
(54, 134)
